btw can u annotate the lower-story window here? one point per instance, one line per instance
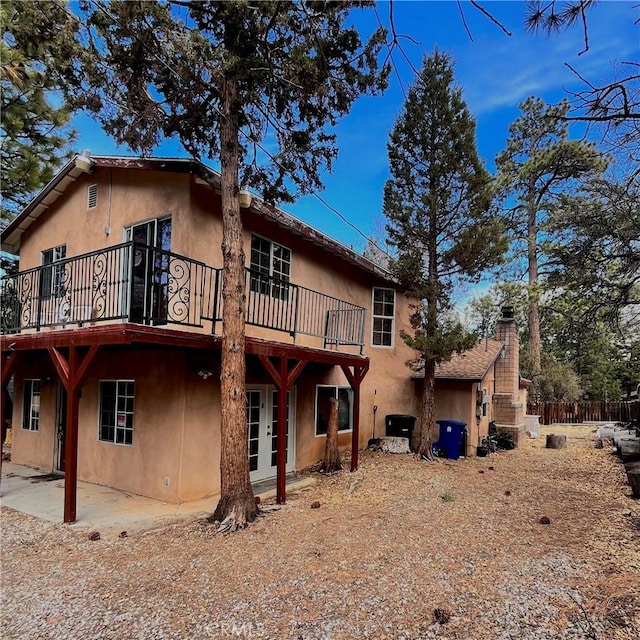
(116, 411)
(31, 406)
(324, 394)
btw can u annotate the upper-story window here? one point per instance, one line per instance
(271, 268)
(51, 284)
(384, 304)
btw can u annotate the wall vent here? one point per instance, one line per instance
(92, 196)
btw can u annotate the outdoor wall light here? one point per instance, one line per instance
(205, 373)
(244, 198)
(83, 162)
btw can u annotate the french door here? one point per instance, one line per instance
(149, 270)
(262, 427)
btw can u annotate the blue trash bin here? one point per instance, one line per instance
(451, 437)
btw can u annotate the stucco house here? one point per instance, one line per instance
(112, 331)
(111, 334)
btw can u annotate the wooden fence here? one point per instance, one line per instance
(578, 412)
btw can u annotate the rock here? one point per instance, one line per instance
(94, 535)
(545, 520)
(629, 449)
(441, 615)
(315, 505)
(481, 471)
(625, 436)
(507, 492)
(123, 534)
(633, 477)
(391, 444)
(491, 469)
(258, 500)
(608, 430)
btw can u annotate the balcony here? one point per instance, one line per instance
(140, 284)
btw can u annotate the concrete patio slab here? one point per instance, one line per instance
(103, 508)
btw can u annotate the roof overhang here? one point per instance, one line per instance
(76, 167)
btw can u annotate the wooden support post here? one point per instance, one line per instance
(355, 436)
(355, 380)
(73, 372)
(9, 362)
(71, 457)
(281, 445)
(283, 379)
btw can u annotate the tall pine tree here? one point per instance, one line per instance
(539, 164)
(222, 78)
(437, 203)
(37, 40)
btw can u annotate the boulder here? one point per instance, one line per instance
(392, 444)
(629, 449)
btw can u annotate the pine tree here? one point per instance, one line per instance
(36, 39)
(223, 78)
(437, 203)
(595, 244)
(538, 165)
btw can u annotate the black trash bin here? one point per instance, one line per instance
(400, 426)
(452, 436)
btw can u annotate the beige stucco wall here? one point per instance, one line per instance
(34, 448)
(124, 198)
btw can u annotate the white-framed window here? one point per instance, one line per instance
(31, 405)
(270, 267)
(115, 423)
(92, 196)
(52, 279)
(324, 394)
(383, 317)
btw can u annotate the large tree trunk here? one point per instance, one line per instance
(427, 411)
(331, 453)
(534, 294)
(237, 504)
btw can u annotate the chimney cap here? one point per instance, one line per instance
(507, 312)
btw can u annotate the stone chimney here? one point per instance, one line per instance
(508, 410)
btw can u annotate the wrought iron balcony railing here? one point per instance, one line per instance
(145, 285)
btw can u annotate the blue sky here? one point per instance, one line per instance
(495, 71)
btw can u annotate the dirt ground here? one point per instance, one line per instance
(401, 549)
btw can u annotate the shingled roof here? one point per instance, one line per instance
(472, 365)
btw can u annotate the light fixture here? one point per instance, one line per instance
(244, 198)
(83, 161)
(205, 373)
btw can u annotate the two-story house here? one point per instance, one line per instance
(112, 332)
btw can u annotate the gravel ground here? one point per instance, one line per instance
(389, 546)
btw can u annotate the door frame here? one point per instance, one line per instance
(60, 428)
(265, 470)
(153, 252)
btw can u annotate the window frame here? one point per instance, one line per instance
(116, 411)
(337, 388)
(31, 422)
(374, 316)
(279, 290)
(52, 278)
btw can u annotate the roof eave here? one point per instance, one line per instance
(12, 235)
